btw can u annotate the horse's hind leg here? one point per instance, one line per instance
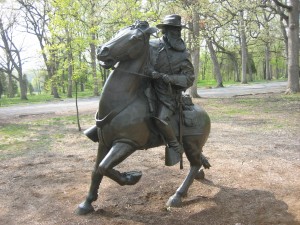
(193, 150)
(86, 206)
(175, 200)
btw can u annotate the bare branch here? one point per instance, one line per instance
(278, 3)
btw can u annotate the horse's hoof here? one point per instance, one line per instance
(200, 175)
(84, 208)
(174, 201)
(133, 177)
(205, 162)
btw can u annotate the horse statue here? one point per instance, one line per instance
(124, 119)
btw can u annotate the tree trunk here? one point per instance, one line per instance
(293, 48)
(249, 65)
(93, 51)
(217, 71)
(237, 71)
(243, 48)
(51, 71)
(81, 86)
(55, 92)
(267, 61)
(94, 65)
(70, 66)
(10, 93)
(1, 89)
(195, 53)
(204, 64)
(70, 74)
(23, 89)
(285, 39)
(76, 104)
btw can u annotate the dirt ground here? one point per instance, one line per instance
(254, 150)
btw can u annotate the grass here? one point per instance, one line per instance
(213, 83)
(271, 112)
(40, 98)
(4, 101)
(14, 129)
(37, 135)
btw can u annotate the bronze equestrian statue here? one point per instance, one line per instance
(128, 109)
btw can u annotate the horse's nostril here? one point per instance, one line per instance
(104, 51)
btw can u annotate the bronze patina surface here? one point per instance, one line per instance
(142, 106)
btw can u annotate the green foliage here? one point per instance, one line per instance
(75, 26)
(40, 98)
(36, 136)
(5, 101)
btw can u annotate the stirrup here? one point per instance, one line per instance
(172, 157)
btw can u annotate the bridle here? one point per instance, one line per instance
(137, 26)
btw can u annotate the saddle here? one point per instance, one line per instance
(193, 118)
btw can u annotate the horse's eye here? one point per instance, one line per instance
(134, 38)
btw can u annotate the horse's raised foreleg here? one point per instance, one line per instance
(119, 152)
(86, 206)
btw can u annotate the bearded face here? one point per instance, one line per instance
(173, 37)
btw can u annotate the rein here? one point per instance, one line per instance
(101, 122)
(134, 73)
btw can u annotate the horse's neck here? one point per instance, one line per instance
(122, 86)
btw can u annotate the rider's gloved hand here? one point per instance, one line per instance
(166, 78)
(155, 75)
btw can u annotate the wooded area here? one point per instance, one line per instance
(234, 40)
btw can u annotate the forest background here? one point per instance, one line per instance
(230, 41)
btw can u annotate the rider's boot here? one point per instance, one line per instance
(167, 131)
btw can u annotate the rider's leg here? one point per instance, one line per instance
(164, 126)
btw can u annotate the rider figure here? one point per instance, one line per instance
(172, 72)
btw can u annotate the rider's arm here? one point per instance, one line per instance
(186, 76)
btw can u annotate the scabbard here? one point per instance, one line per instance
(180, 129)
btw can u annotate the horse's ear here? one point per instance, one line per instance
(151, 30)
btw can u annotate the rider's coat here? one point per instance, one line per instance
(176, 64)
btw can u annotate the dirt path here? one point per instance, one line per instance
(242, 90)
(254, 180)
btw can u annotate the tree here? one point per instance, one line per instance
(243, 46)
(92, 32)
(13, 52)
(195, 51)
(37, 23)
(7, 68)
(214, 59)
(290, 14)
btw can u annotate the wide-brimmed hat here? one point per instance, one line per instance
(171, 20)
